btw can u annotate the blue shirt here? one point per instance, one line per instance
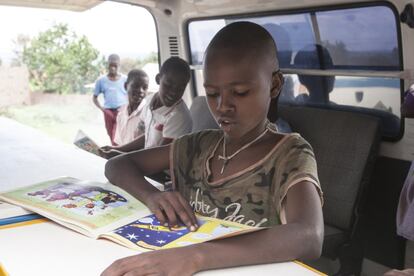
(114, 92)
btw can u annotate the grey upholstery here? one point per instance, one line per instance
(201, 115)
(343, 143)
(345, 146)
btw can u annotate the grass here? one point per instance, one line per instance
(61, 121)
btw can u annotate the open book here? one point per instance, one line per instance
(101, 210)
(86, 143)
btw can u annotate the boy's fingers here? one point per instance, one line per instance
(170, 209)
(160, 215)
(112, 153)
(183, 214)
(189, 211)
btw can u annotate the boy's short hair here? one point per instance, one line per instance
(249, 36)
(176, 64)
(113, 58)
(135, 74)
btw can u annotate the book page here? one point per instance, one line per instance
(87, 207)
(86, 143)
(147, 233)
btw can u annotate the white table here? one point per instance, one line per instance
(29, 156)
(46, 248)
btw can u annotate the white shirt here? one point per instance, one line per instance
(164, 122)
(127, 124)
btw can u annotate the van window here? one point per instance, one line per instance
(50, 61)
(342, 59)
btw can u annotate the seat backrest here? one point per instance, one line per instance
(345, 146)
(201, 115)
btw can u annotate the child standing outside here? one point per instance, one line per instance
(127, 120)
(164, 116)
(244, 172)
(112, 87)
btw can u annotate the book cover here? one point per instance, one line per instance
(88, 207)
(84, 142)
(149, 234)
(11, 214)
(9, 210)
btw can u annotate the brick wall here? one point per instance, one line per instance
(14, 86)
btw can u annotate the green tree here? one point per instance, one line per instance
(127, 64)
(60, 61)
(150, 58)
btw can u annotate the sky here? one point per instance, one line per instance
(110, 27)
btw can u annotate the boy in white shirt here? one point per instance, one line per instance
(164, 116)
(128, 117)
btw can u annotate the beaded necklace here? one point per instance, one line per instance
(226, 159)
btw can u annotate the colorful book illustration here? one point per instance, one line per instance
(91, 208)
(148, 233)
(101, 210)
(86, 143)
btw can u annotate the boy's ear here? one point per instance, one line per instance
(277, 84)
(157, 78)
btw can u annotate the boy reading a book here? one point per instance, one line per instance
(165, 116)
(244, 172)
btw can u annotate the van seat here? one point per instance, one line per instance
(201, 115)
(345, 145)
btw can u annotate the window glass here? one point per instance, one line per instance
(354, 38)
(362, 37)
(379, 97)
(201, 33)
(51, 60)
(345, 39)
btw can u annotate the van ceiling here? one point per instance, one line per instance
(73, 5)
(206, 6)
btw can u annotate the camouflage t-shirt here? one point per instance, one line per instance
(254, 195)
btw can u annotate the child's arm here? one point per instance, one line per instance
(96, 102)
(128, 171)
(136, 144)
(109, 152)
(300, 238)
(96, 92)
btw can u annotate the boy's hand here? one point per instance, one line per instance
(176, 261)
(107, 148)
(170, 208)
(108, 152)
